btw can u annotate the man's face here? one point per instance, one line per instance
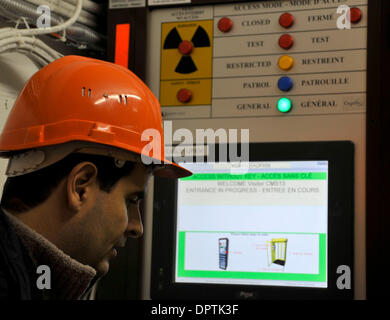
(112, 218)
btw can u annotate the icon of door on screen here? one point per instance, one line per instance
(223, 252)
(278, 251)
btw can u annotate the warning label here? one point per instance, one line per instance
(186, 62)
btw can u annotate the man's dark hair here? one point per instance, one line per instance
(25, 192)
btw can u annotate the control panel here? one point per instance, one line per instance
(262, 59)
(289, 71)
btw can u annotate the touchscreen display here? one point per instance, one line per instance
(265, 226)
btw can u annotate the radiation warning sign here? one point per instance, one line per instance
(186, 63)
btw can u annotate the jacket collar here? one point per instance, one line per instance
(69, 278)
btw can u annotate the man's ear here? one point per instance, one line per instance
(81, 181)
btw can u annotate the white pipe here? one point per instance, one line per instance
(31, 43)
(28, 49)
(36, 52)
(88, 6)
(42, 61)
(34, 57)
(34, 42)
(8, 15)
(65, 9)
(17, 39)
(37, 31)
(75, 32)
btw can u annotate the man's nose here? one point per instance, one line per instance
(135, 228)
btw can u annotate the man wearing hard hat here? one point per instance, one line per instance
(76, 176)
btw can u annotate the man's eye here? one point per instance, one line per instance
(131, 201)
(135, 200)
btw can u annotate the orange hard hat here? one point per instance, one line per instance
(81, 99)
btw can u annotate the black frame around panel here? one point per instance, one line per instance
(340, 227)
(378, 149)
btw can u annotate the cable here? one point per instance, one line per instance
(75, 32)
(88, 6)
(65, 9)
(41, 61)
(37, 31)
(82, 34)
(33, 43)
(36, 58)
(29, 50)
(8, 15)
(23, 40)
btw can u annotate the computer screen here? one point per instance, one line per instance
(267, 226)
(278, 226)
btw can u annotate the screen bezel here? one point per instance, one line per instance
(340, 157)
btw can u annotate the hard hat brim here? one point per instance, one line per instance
(172, 170)
(28, 162)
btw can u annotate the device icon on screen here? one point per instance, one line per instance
(278, 249)
(223, 252)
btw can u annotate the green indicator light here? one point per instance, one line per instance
(284, 105)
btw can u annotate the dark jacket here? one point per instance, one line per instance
(17, 270)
